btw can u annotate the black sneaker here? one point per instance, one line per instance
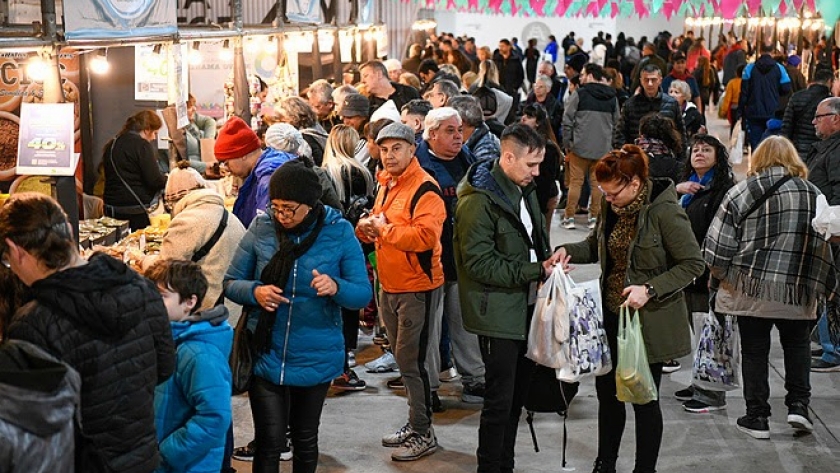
(799, 419)
(473, 394)
(700, 407)
(821, 366)
(246, 453)
(670, 366)
(349, 381)
(437, 406)
(755, 427)
(685, 394)
(603, 466)
(396, 383)
(816, 352)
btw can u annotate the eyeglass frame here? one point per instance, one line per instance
(4, 259)
(817, 117)
(628, 181)
(286, 213)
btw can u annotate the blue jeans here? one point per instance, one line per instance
(831, 352)
(755, 130)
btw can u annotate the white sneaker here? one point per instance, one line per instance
(351, 359)
(384, 364)
(399, 437)
(568, 223)
(592, 222)
(416, 446)
(449, 375)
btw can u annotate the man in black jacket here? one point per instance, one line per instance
(100, 317)
(511, 73)
(798, 123)
(650, 100)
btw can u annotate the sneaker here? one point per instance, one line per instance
(592, 222)
(603, 466)
(799, 419)
(449, 375)
(670, 366)
(349, 381)
(437, 406)
(246, 453)
(396, 383)
(416, 446)
(700, 407)
(380, 339)
(686, 394)
(399, 437)
(351, 359)
(568, 223)
(816, 352)
(473, 394)
(286, 453)
(755, 427)
(821, 366)
(384, 364)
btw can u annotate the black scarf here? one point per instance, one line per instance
(277, 271)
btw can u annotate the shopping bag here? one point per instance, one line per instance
(588, 350)
(548, 335)
(633, 379)
(736, 144)
(717, 362)
(242, 356)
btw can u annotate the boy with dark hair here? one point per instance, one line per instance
(192, 409)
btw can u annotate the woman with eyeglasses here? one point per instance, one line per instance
(705, 180)
(648, 255)
(197, 215)
(297, 265)
(536, 117)
(132, 177)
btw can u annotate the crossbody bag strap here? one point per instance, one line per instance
(202, 252)
(763, 198)
(117, 172)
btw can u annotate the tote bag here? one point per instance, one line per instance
(717, 362)
(589, 350)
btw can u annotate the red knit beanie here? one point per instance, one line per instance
(236, 139)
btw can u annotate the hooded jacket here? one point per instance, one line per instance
(195, 219)
(798, 123)
(307, 345)
(40, 404)
(483, 144)
(493, 251)
(110, 324)
(591, 114)
(192, 409)
(664, 254)
(764, 82)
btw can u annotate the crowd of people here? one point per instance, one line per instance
(433, 179)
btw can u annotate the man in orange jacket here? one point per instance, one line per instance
(406, 225)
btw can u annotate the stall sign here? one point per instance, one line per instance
(179, 83)
(45, 144)
(97, 19)
(151, 73)
(304, 11)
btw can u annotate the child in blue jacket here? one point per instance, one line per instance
(192, 408)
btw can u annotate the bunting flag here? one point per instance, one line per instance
(830, 10)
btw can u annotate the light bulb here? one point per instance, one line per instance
(37, 69)
(99, 64)
(195, 57)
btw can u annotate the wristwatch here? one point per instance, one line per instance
(651, 292)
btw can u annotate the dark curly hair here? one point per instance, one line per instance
(659, 127)
(724, 177)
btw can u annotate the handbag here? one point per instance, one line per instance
(736, 144)
(243, 356)
(548, 335)
(717, 362)
(633, 378)
(588, 347)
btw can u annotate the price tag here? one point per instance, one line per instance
(45, 145)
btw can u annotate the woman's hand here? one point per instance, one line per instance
(559, 257)
(269, 297)
(689, 187)
(637, 296)
(324, 284)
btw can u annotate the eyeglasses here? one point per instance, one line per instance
(817, 117)
(614, 194)
(285, 212)
(4, 260)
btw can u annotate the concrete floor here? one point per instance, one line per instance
(353, 423)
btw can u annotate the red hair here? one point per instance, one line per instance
(622, 165)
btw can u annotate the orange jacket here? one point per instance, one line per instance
(408, 248)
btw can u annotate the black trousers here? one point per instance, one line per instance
(275, 407)
(351, 333)
(612, 413)
(507, 377)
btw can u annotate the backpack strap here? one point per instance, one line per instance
(202, 252)
(424, 258)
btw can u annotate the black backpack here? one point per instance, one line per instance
(548, 394)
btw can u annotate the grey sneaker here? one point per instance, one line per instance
(399, 437)
(416, 446)
(592, 222)
(384, 364)
(568, 223)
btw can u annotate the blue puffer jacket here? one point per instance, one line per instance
(307, 345)
(253, 194)
(192, 409)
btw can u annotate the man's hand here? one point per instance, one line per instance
(559, 257)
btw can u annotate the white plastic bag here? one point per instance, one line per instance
(827, 221)
(548, 336)
(736, 145)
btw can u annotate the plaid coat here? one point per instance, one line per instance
(774, 254)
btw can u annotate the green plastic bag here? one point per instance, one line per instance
(633, 379)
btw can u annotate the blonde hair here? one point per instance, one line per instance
(339, 161)
(468, 79)
(777, 151)
(409, 79)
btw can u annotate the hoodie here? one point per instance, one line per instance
(40, 404)
(192, 409)
(110, 324)
(253, 194)
(764, 82)
(589, 119)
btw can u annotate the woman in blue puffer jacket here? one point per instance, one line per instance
(295, 267)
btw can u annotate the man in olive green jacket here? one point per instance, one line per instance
(501, 252)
